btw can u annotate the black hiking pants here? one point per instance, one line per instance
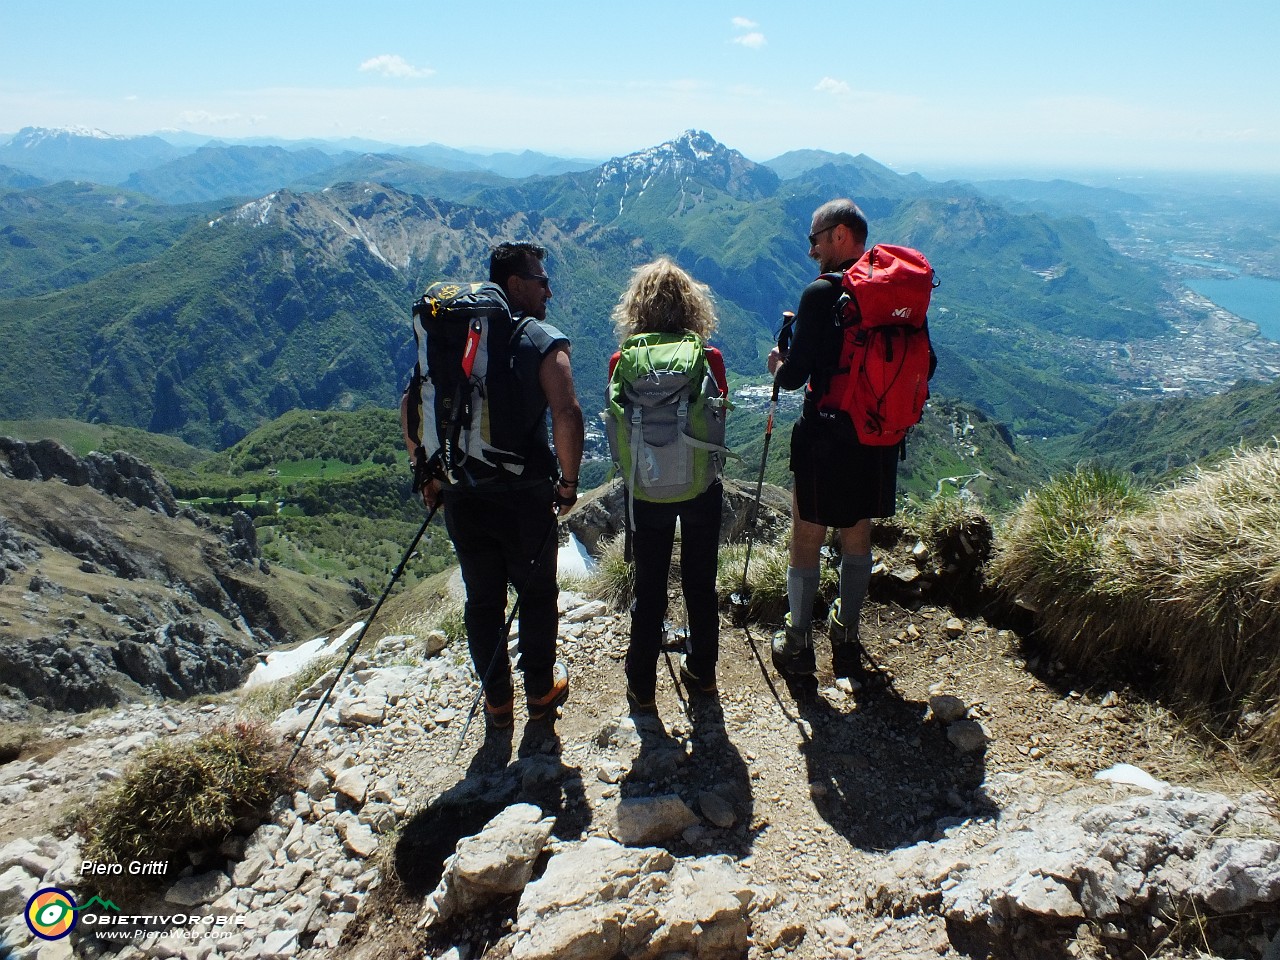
(501, 539)
(652, 545)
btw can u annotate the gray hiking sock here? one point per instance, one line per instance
(802, 587)
(855, 577)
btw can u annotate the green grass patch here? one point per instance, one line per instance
(353, 547)
(164, 453)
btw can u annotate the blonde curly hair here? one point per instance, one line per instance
(662, 298)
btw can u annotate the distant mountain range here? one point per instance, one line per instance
(154, 163)
(203, 290)
(83, 154)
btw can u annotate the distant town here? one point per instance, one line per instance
(1211, 351)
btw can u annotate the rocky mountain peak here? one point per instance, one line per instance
(693, 156)
(394, 227)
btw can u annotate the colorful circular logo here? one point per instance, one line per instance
(51, 913)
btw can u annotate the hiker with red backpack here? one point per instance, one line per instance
(860, 347)
(666, 405)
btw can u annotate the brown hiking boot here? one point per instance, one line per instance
(500, 715)
(542, 707)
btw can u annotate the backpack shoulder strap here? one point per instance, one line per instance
(715, 362)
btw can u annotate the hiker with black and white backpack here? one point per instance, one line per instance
(474, 416)
(667, 401)
(860, 347)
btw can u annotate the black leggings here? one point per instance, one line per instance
(652, 544)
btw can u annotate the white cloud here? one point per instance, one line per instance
(394, 65)
(837, 88)
(752, 38)
(203, 118)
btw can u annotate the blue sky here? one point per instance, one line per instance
(920, 86)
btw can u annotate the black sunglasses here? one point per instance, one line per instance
(813, 237)
(542, 278)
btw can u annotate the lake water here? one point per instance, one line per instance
(1253, 298)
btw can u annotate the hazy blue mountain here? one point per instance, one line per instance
(527, 163)
(1062, 197)
(11, 179)
(1111, 209)
(796, 163)
(408, 175)
(236, 167)
(83, 154)
(218, 172)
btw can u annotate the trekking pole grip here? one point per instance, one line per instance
(784, 335)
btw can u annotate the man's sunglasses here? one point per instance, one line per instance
(542, 278)
(813, 237)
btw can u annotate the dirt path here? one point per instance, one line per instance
(821, 782)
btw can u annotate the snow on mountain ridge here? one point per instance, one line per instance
(694, 158)
(29, 137)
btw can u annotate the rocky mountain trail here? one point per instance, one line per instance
(954, 811)
(976, 802)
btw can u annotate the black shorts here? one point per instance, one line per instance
(838, 480)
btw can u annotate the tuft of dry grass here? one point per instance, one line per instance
(613, 579)
(184, 796)
(1181, 585)
(446, 615)
(766, 583)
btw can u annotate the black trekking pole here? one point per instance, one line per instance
(501, 649)
(676, 639)
(739, 600)
(355, 644)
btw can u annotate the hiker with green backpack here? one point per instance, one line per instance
(667, 401)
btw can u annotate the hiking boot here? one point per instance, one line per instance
(500, 714)
(793, 651)
(542, 707)
(846, 651)
(640, 703)
(693, 683)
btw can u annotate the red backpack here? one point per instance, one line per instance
(882, 378)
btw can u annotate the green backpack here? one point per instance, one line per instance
(665, 419)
